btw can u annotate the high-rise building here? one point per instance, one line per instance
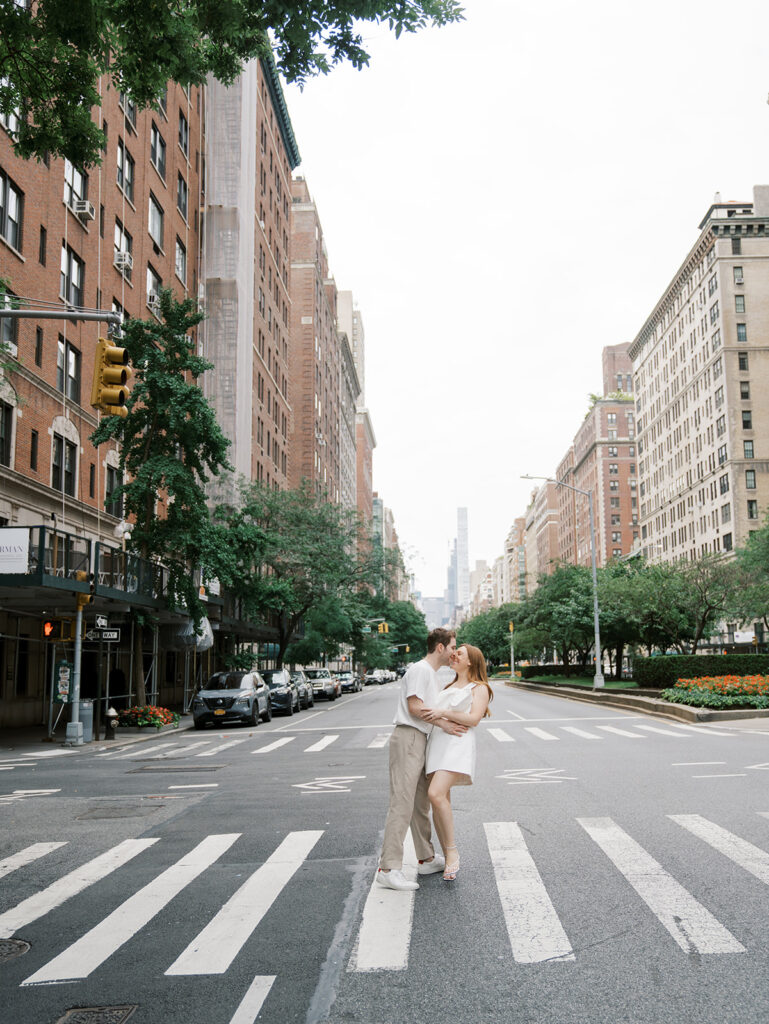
(250, 153)
(463, 559)
(541, 534)
(351, 322)
(349, 390)
(701, 366)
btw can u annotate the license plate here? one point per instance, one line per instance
(220, 711)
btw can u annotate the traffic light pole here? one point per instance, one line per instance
(74, 735)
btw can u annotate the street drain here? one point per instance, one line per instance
(118, 811)
(10, 948)
(174, 768)
(97, 1015)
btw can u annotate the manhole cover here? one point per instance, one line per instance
(118, 811)
(174, 768)
(97, 1015)
(9, 948)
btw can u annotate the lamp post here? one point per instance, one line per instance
(598, 680)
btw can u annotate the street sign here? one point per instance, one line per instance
(107, 636)
(365, 629)
(63, 677)
(102, 622)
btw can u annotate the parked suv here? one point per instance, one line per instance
(284, 696)
(232, 697)
(323, 683)
(304, 686)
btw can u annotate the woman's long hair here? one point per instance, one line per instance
(477, 671)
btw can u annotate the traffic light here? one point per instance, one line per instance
(85, 577)
(407, 649)
(59, 630)
(383, 628)
(511, 626)
(110, 376)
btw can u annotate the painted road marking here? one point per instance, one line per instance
(379, 741)
(701, 730)
(92, 949)
(274, 745)
(541, 734)
(385, 930)
(692, 926)
(743, 853)
(22, 794)
(621, 732)
(222, 746)
(501, 735)
(533, 926)
(662, 732)
(328, 784)
(214, 949)
(26, 856)
(581, 732)
(321, 744)
(70, 885)
(197, 785)
(253, 1000)
(529, 775)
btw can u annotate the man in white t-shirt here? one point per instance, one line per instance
(409, 805)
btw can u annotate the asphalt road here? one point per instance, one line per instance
(614, 869)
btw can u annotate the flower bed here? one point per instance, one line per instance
(147, 716)
(720, 692)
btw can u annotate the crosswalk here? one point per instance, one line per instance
(512, 867)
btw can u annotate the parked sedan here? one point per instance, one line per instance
(323, 683)
(284, 696)
(232, 697)
(348, 682)
(304, 686)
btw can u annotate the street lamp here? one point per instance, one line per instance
(598, 680)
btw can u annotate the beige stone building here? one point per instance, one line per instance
(701, 365)
(541, 534)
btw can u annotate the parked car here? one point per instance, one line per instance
(323, 683)
(232, 697)
(304, 686)
(348, 682)
(374, 677)
(284, 695)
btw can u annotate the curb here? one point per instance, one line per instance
(648, 705)
(129, 735)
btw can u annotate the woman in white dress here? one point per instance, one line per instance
(450, 760)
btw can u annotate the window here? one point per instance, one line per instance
(742, 360)
(752, 509)
(714, 314)
(68, 370)
(9, 328)
(726, 542)
(71, 280)
(723, 483)
(75, 184)
(722, 455)
(739, 303)
(611, 419)
(181, 262)
(181, 196)
(6, 429)
(9, 120)
(158, 151)
(184, 134)
(154, 284)
(726, 512)
(156, 222)
(616, 553)
(113, 505)
(615, 520)
(747, 419)
(614, 485)
(721, 426)
(33, 451)
(163, 101)
(129, 109)
(738, 278)
(613, 468)
(736, 247)
(742, 332)
(125, 171)
(614, 502)
(64, 464)
(124, 243)
(92, 481)
(38, 346)
(613, 452)
(747, 450)
(750, 479)
(616, 537)
(42, 246)
(11, 206)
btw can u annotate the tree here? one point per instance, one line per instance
(170, 445)
(561, 611)
(53, 53)
(751, 597)
(712, 582)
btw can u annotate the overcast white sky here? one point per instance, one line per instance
(504, 197)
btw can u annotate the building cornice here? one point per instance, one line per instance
(279, 104)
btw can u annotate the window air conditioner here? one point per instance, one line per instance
(124, 260)
(84, 209)
(153, 301)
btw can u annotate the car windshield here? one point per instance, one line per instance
(275, 677)
(228, 681)
(317, 673)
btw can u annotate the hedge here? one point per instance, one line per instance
(529, 671)
(665, 671)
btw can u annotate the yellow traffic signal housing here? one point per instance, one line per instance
(383, 628)
(110, 377)
(85, 577)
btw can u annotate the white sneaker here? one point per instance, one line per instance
(431, 867)
(394, 880)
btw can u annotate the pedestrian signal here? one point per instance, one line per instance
(110, 377)
(59, 630)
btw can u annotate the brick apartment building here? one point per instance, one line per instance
(701, 366)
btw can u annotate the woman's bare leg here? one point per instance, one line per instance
(440, 799)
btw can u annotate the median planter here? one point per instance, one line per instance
(147, 719)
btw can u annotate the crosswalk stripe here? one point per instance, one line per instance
(379, 741)
(221, 747)
(214, 949)
(620, 732)
(253, 1000)
(26, 856)
(274, 745)
(69, 885)
(541, 734)
(142, 751)
(692, 926)
(385, 929)
(743, 853)
(186, 748)
(321, 744)
(581, 732)
(501, 736)
(662, 732)
(699, 729)
(97, 945)
(533, 926)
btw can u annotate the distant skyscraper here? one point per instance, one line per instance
(463, 559)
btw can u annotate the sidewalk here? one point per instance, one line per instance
(648, 705)
(34, 739)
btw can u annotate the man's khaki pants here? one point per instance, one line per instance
(409, 804)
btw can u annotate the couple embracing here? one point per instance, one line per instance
(432, 749)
